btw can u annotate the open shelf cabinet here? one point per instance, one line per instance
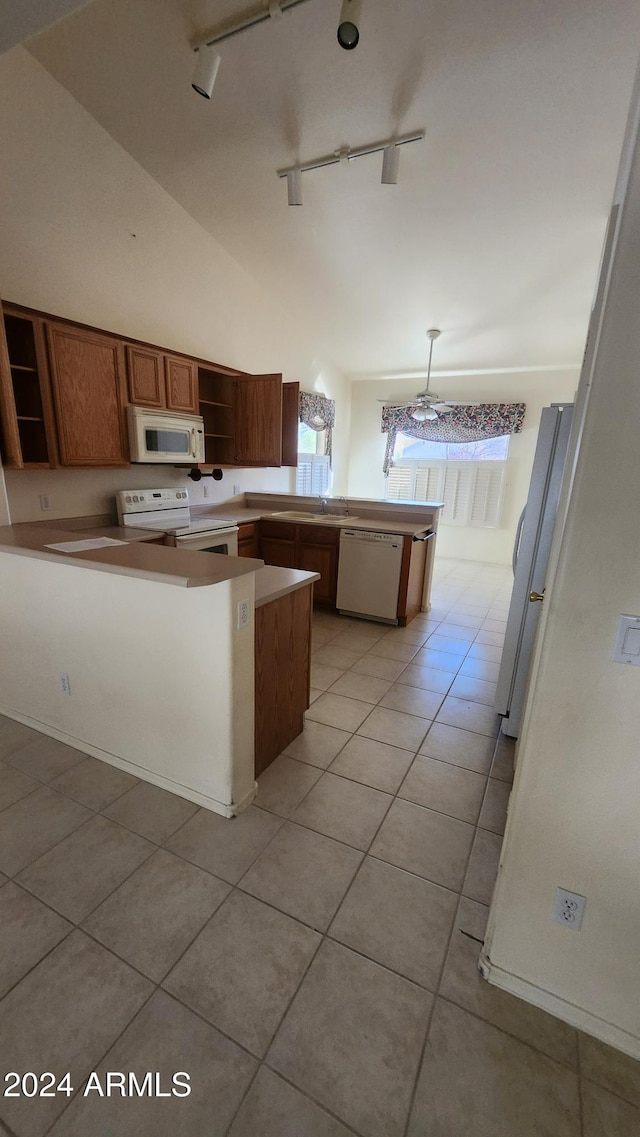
(28, 431)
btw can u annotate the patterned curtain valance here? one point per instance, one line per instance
(318, 412)
(464, 423)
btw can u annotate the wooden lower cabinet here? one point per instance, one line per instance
(313, 548)
(318, 552)
(249, 540)
(282, 672)
(415, 553)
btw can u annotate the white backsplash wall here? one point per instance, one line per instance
(80, 493)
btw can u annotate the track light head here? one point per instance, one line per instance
(204, 76)
(348, 27)
(390, 164)
(294, 187)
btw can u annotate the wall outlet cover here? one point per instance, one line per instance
(568, 909)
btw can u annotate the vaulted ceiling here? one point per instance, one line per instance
(494, 230)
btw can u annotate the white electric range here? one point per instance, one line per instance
(167, 511)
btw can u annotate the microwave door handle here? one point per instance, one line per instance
(194, 452)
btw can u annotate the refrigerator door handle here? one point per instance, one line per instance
(516, 545)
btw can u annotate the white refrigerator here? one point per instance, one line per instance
(530, 558)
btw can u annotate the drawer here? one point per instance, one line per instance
(284, 529)
(319, 534)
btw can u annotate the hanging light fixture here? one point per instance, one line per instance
(206, 70)
(424, 412)
(390, 164)
(390, 150)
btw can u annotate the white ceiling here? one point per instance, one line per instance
(494, 230)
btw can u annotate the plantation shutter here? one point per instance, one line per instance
(458, 488)
(486, 503)
(400, 484)
(313, 474)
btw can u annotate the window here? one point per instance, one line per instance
(313, 474)
(467, 476)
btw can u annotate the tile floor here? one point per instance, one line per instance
(312, 964)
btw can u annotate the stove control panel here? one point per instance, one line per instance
(144, 501)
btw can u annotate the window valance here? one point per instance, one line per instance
(464, 423)
(318, 412)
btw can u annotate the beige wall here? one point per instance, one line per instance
(71, 201)
(155, 672)
(537, 389)
(575, 810)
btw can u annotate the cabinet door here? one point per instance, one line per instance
(321, 555)
(282, 647)
(88, 378)
(182, 385)
(145, 371)
(258, 420)
(290, 420)
(276, 551)
(248, 540)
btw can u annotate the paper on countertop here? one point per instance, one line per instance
(87, 543)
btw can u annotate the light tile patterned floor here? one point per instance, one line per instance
(311, 964)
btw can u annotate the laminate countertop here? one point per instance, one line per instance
(138, 557)
(160, 563)
(376, 522)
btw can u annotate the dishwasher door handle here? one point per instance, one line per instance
(427, 536)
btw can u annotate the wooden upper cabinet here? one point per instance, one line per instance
(290, 420)
(28, 437)
(258, 420)
(145, 371)
(89, 390)
(162, 381)
(182, 384)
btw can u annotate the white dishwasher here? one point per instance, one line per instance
(369, 574)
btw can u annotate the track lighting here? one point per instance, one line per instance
(348, 28)
(294, 187)
(204, 76)
(390, 163)
(208, 62)
(391, 157)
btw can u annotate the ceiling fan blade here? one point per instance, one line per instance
(442, 408)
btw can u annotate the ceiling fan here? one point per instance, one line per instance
(427, 405)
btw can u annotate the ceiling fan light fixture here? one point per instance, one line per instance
(424, 414)
(204, 76)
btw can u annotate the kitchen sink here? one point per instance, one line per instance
(300, 515)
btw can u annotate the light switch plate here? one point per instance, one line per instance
(626, 648)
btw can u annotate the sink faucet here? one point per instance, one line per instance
(323, 503)
(345, 506)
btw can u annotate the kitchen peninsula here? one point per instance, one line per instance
(157, 656)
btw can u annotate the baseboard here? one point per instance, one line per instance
(561, 1009)
(225, 810)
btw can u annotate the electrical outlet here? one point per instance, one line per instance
(237, 488)
(45, 502)
(65, 685)
(243, 613)
(568, 909)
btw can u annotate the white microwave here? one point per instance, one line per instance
(163, 436)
